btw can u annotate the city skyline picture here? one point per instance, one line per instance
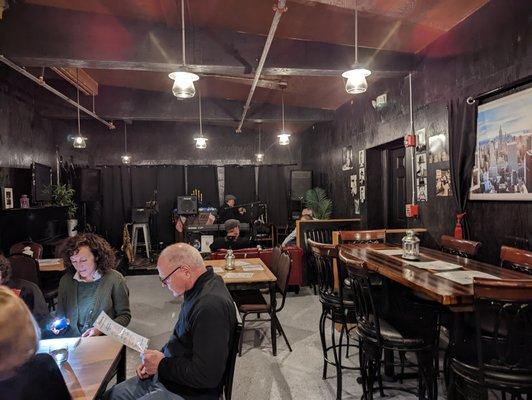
(503, 154)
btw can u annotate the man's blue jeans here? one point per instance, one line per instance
(134, 388)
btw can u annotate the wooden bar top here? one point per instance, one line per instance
(420, 280)
(88, 365)
(265, 275)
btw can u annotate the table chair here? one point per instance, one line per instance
(459, 247)
(35, 248)
(226, 388)
(517, 259)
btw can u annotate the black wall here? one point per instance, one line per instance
(491, 48)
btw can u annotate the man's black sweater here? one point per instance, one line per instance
(197, 351)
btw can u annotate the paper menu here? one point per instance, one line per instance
(239, 275)
(435, 265)
(390, 252)
(465, 277)
(125, 336)
(251, 267)
(217, 270)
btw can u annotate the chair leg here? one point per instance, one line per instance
(337, 360)
(323, 319)
(362, 362)
(347, 340)
(280, 329)
(242, 335)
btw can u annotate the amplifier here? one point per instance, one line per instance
(187, 205)
(140, 215)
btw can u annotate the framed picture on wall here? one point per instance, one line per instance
(347, 158)
(7, 198)
(503, 154)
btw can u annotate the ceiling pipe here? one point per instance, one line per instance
(279, 10)
(42, 83)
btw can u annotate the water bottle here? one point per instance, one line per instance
(229, 260)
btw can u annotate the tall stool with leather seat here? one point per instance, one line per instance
(335, 307)
(517, 259)
(459, 247)
(144, 227)
(377, 335)
(503, 359)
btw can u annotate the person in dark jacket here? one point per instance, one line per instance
(232, 240)
(192, 363)
(25, 375)
(229, 211)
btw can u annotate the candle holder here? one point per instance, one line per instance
(410, 246)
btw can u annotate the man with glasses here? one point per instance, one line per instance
(191, 365)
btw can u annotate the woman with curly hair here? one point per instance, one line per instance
(91, 285)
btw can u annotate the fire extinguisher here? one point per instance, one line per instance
(458, 233)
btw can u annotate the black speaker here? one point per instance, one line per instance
(187, 205)
(300, 182)
(140, 215)
(89, 185)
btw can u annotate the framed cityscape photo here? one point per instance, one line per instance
(503, 155)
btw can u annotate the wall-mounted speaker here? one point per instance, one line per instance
(187, 205)
(300, 182)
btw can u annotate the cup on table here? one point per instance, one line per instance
(59, 351)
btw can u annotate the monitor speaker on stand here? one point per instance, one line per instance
(187, 205)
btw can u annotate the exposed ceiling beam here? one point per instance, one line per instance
(40, 36)
(131, 104)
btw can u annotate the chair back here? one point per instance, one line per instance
(227, 380)
(285, 264)
(274, 261)
(459, 247)
(368, 236)
(319, 235)
(19, 248)
(323, 255)
(25, 267)
(517, 259)
(367, 314)
(503, 312)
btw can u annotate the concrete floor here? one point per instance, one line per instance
(258, 374)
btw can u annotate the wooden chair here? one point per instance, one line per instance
(368, 236)
(459, 247)
(35, 248)
(503, 311)
(517, 259)
(255, 303)
(226, 389)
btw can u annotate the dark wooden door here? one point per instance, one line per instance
(396, 188)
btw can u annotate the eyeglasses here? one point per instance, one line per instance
(164, 281)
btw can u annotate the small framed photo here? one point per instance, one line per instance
(361, 158)
(7, 198)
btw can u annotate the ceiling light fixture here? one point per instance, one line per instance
(201, 141)
(356, 77)
(260, 155)
(284, 137)
(79, 142)
(126, 158)
(183, 80)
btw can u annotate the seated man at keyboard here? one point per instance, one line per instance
(232, 240)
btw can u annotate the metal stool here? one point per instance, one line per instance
(146, 233)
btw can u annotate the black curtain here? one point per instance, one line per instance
(205, 179)
(240, 182)
(273, 190)
(116, 202)
(462, 142)
(170, 184)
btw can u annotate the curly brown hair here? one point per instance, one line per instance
(104, 255)
(5, 270)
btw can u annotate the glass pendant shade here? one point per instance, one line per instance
(126, 159)
(183, 84)
(284, 138)
(79, 142)
(259, 157)
(356, 80)
(201, 142)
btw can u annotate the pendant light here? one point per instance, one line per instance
(183, 80)
(260, 155)
(79, 142)
(284, 137)
(126, 158)
(201, 141)
(356, 77)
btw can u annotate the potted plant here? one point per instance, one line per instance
(63, 195)
(316, 199)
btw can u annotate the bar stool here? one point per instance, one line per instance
(146, 233)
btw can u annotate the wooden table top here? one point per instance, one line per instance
(51, 264)
(88, 364)
(425, 281)
(264, 276)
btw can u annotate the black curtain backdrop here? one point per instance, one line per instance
(205, 179)
(240, 182)
(273, 190)
(126, 187)
(462, 142)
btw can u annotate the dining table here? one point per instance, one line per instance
(249, 273)
(91, 364)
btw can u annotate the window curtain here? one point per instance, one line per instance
(462, 142)
(273, 191)
(240, 182)
(205, 179)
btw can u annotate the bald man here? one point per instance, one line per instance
(191, 365)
